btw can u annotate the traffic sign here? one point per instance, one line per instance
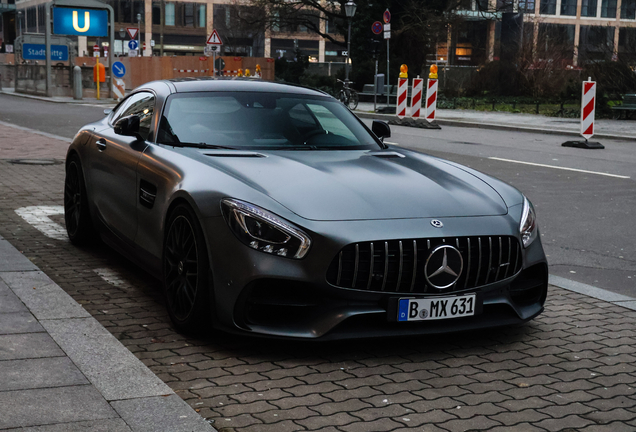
(214, 38)
(38, 52)
(132, 32)
(119, 70)
(387, 35)
(386, 16)
(133, 44)
(376, 27)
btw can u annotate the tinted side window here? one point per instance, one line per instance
(142, 105)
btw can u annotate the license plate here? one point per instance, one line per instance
(436, 308)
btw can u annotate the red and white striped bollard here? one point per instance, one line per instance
(401, 97)
(588, 102)
(431, 100)
(416, 98)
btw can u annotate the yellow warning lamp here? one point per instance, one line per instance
(240, 73)
(258, 68)
(404, 71)
(433, 74)
(247, 73)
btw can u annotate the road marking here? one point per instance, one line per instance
(38, 216)
(561, 168)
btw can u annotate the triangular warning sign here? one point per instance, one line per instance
(214, 38)
(132, 32)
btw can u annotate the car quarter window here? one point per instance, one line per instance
(141, 104)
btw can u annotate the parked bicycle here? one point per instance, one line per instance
(348, 96)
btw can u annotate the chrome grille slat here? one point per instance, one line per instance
(399, 280)
(498, 265)
(468, 267)
(414, 265)
(372, 259)
(355, 267)
(385, 275)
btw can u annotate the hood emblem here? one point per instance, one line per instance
(443, 266)
(437, 223)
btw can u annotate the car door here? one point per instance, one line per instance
(113, 165)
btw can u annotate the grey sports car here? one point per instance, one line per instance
(271, 209)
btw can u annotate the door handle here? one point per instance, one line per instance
(101, 145)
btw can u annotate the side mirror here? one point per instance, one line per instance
(128, 126)
(381, 129)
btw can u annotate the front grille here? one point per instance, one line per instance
(398, 265)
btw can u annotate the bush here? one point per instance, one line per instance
(496, 78)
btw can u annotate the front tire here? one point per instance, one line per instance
(186, 273)
(77, 216)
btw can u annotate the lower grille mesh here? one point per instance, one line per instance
(398, 265)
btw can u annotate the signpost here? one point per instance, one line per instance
(387, 35)
(213, 43)
(119, 70)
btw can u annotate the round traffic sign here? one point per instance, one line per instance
(386, 16)
(119, 70)
(377, 27)
(133, 44)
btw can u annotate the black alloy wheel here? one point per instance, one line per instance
(185, 270)
(76, 214)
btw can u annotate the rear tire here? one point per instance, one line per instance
(186, 273)
(77, 216)
(353, 100)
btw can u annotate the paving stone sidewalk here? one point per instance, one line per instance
(571, 369)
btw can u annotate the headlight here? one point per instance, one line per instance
(528, 225)
(264, 231)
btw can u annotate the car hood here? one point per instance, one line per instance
(354, 185)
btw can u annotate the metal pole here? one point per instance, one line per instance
(388, 102)
(348, 52)
(111, 50)
(141, 53)
(213, 63)
(47, 41)
(163, 22)
(375, 85)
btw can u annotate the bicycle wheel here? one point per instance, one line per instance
(342, 97)
(353, 100)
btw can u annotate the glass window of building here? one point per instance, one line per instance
(628, 9)
(588, 8)
(41, 18)
(548, 7)
(568, 7)
(188, 14)
(156, 13)
(202, 15)
(608, 8)
(170, 14)
(526, 6)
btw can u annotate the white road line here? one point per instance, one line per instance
(561, 168)
(38, 216)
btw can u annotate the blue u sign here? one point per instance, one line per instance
(80, 22)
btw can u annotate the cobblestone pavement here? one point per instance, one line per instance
(572, 369)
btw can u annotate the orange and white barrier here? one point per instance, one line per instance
(119, 88)
(416, 98)
(431, 100)
(402, 97)
(191, 70)
(588, 102)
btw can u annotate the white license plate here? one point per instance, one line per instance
(436, 308)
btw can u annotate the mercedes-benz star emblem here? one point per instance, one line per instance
(443, 266)
(437, 223)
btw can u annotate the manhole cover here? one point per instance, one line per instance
(35, 161)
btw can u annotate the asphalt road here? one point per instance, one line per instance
(584, 217)
(583, 199)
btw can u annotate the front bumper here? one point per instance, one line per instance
(268, 295)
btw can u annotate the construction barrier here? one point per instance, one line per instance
(401, 97)
(431, 100)
(588, 102)
(119, 89)
(416, 98)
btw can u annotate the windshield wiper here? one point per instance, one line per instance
(202, 145)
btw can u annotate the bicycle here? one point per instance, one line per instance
(348, 96)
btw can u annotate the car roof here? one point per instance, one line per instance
(202, 84)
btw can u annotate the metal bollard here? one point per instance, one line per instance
(77, 83)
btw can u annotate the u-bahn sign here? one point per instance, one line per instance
(80, 22)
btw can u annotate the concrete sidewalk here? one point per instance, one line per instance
(62, 99)
(61, 371)
(604, 128)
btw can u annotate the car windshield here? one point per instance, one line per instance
(242, 120)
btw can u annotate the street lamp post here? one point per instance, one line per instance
(350, 11)
(141, 53)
